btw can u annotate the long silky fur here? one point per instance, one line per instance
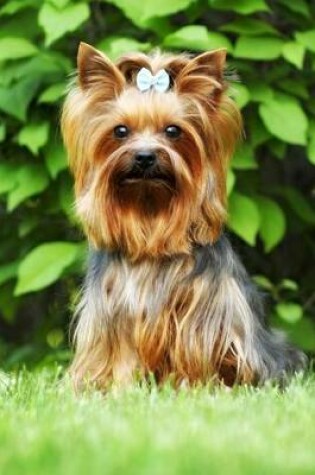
(192, 318)
(196, 213)
(164, 292)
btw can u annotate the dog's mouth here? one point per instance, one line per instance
(149, 176)
(146, 191)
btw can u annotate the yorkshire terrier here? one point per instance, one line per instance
(149, 139)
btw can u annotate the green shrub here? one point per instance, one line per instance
(272, 47)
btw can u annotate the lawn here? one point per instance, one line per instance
(45, 429)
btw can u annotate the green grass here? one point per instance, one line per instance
(45, 429)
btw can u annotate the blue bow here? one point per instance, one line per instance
(145, 80)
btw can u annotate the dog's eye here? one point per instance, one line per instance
(121, 131)
(173, 131)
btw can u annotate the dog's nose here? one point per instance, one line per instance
(145, 158)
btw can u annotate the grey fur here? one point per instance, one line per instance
(278, 357)
(119, 294)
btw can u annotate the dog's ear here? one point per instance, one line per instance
(130, 64)
(203, 75)
(96, 70)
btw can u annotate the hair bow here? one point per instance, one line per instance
(145, 80)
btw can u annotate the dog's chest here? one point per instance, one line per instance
(146, 288)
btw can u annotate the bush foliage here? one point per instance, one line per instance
(271, 44)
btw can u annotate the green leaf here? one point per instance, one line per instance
(217, 41)
(15, 48)
(56, 22)
(258, 48)
(244, 158)
(28, 224)
(294, 53)
(289, 312)
(161, 26)
(311, 142)
(8, 271)
(55, 337)
(297, 7)
(2, 131)
(307, 39)
(25, 23)
(259, 91)
(8, 172)
(277, 148)
(299, 204)
(272, 222)
(45, 67)
(30, 180)
(15, 6)
(12, 72)
(230, 181)
(240, 94)
(59, 3)
(44, 265)
(66, 197)
(303, 334)
(49, 65)
(244, 217)
(284, 117)
(244, 7)
(52, 94)
(294, 87)
(55, 158)
(257, 132)
(116, 46)
(15, 100)
(8, 304)
(289, 284)
(263, 282)
(140, 12)
(34, 136)
(196, 37)
(249, 26)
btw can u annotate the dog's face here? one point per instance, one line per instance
(146, 152)
(150, 166)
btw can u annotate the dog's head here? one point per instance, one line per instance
(149, 161)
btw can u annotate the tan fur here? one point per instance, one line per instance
(145, 316)
(210, 121)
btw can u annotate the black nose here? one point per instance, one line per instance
(145, 159)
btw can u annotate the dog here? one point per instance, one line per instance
(149, 139)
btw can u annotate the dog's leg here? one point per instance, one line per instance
(103, 360)
(104, 348)
(255, 352)
(125, 366)
(272, 356)
(91, 366)
(94, 346)
(223, 332)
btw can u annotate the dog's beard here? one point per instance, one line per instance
(145, 192)
(141, 213)
(148, 194)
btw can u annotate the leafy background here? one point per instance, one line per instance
(271, 44)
